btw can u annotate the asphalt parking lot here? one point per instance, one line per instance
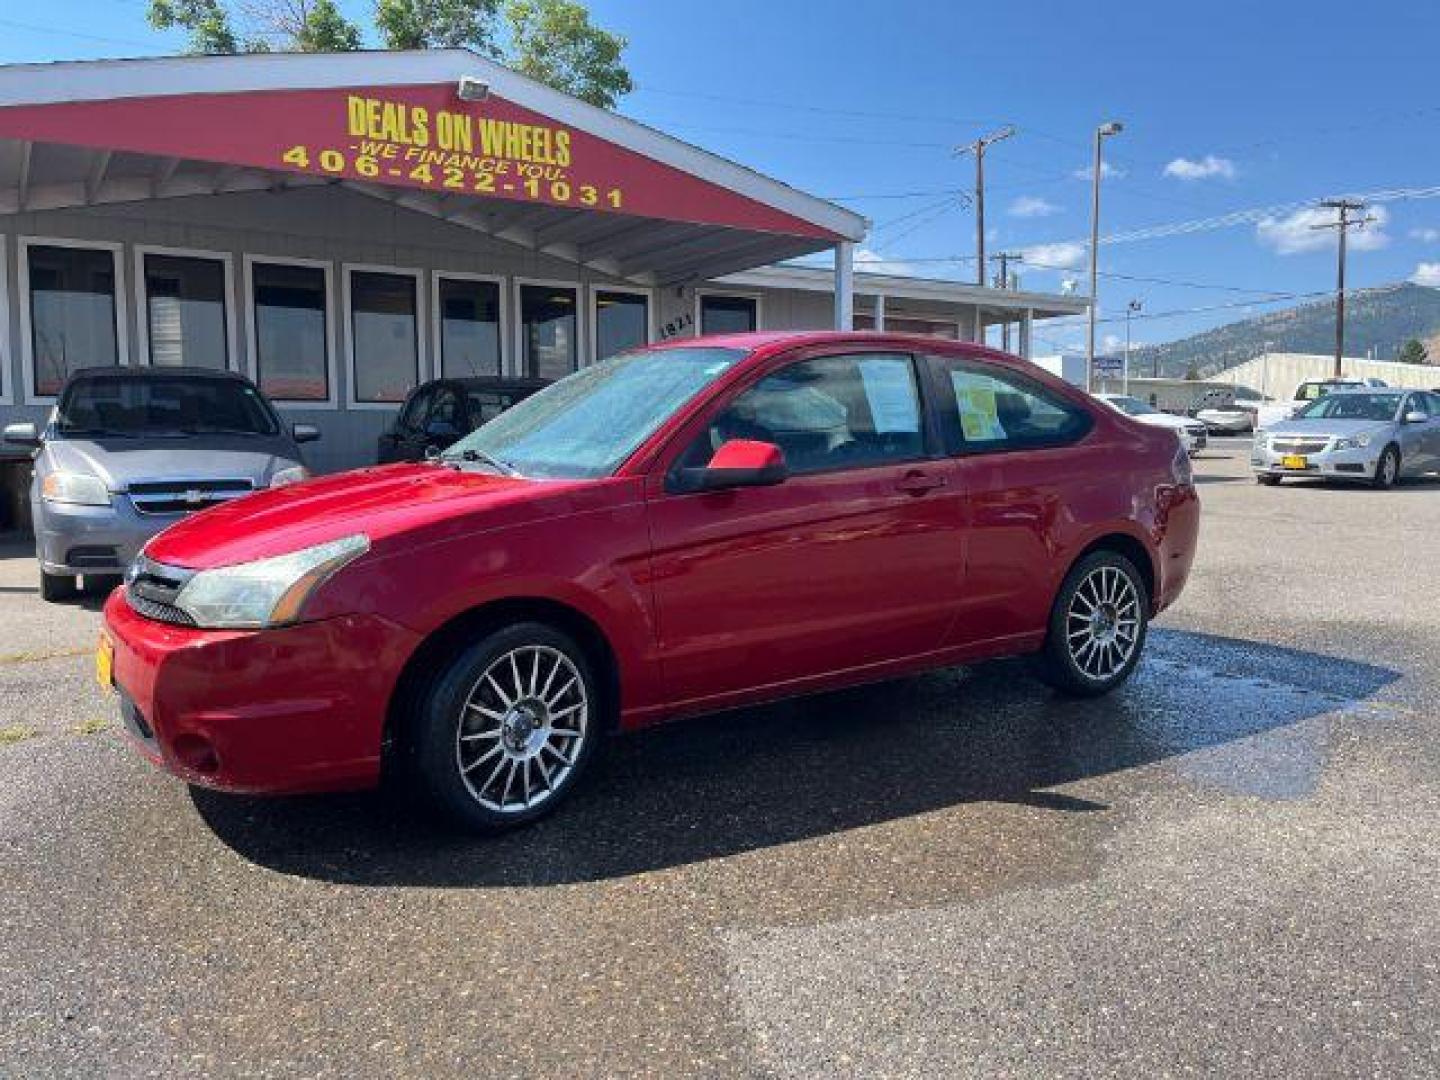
(1231, 867)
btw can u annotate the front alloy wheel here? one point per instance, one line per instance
(1097, 626)
(507, 727)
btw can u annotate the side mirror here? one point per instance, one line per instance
(22, 434)
(1415, 417)
(738, 463)
(441, 429)
(305, 433)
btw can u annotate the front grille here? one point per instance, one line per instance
(151, 589)
(184, 496)
(1300, 444)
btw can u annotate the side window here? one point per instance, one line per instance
(833, 412)
(412, 417)
(447, 408)
(987, 408)
(1419, 403)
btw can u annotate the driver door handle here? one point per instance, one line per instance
(916, 482)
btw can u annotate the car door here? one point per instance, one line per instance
(1012, 443)
(855, 560)
(1414, 439)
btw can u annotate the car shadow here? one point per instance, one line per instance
(756, 778)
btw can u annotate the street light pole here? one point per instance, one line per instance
(1112, 127)
(978, 148)
(1130, 309)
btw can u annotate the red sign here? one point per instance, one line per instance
(404, 136)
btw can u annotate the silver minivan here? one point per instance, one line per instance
(128, 451)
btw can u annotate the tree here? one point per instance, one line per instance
(438, 24)
(206, 21)
(1192, 373)
(554, 42)
(1413, 352)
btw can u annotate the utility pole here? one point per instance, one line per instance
(1005, 258)
(1103, 132)
(978, 148)
(1343, 223)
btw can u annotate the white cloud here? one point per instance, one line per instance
(1427, 236)
(1427, 274)
(1298, 232)
(1032, 206)
(866, 259)
(1061, 256)
(1204, 169)
(1107, 172)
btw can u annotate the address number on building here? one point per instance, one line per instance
(454, 178)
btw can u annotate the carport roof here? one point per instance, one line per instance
(564, 178)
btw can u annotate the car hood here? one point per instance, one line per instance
(120, 462)
(1314, 428)
(382, 502)
(1164, 420)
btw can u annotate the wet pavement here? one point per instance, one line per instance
(1230, 867)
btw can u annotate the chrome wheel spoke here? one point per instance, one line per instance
(559, 695)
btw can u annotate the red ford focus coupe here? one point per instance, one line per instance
(676, 530)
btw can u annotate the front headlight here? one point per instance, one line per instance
(1353, 442)
(80, 489)
(268, 592)
(293, 475)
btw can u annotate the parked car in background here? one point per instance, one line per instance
(129, 451)
(676, 530)
(1193, 434)
(1234, 419)
(1370, 435)
(1310, 390)
(437, 414)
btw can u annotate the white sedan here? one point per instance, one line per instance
(1193, 434)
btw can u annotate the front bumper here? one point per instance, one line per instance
(72, 539)
(296, 709)
(1355, 464)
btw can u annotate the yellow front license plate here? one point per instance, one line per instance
(1294, 461)
(105, 663)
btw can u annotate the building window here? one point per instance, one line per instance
(469, 327)
(185, 311)
(72, 312)
(728, 314)
(385, 346)
(548, 329)
(291, 331)
(622, 321)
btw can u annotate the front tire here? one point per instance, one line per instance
(1097, 626)
(507, 727)
(57, 587)
(1387, 470)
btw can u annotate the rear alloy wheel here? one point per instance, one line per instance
(57, 587)
(508, 727)
(1387, 471)
(1097, 626)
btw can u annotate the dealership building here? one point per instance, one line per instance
(342, 227)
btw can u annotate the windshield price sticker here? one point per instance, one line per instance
(450, 151)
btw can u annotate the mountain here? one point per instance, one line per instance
(1381, 319)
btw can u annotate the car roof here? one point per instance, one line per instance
(150, 371)
(764, 343)
(1369, 390)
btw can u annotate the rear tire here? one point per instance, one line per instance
(506, 728)
(1387, 469)
(57, 587)
(1267, 479)
(1097, 626)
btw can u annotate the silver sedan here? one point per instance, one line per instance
(1368, 435)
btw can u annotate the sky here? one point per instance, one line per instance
(1237, 118)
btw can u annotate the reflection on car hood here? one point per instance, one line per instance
(382, 502)
(1313, 428)
(123, 461)
(1165, 420)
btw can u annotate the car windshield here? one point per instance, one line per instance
(1352, 407)
(1131, 406)
(587, 424)
(162, 405)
